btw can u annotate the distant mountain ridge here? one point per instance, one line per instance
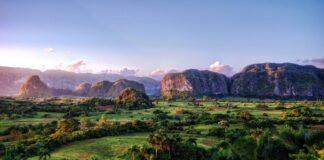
(284, 80)
(12, 78)
(34, 87)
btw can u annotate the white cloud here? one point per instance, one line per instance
(77, 66)
(220, 68)
(67, 53)
(49, 50)
(109, 71)
(128, 72)
(124, 72)
(319, 62)
(157, 74)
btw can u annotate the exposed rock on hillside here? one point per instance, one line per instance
(11, 79)
(281, 80)
(83, 89)
(122, 84)
(100, 89)
(33, 87)
(194, 83)
(257, 80)
(134, 99)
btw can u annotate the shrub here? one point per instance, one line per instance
(245, 115)
(261, 106)
(216, 131)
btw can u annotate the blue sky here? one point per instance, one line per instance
(145, 36)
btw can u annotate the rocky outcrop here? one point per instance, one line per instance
(122, 84)
(284, 80)
(134, 99)
(278, 80)
(33, 87)
(11, 79)
(194, 83)
(100, 89)
(83, 89)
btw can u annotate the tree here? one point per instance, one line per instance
(63, 131)
(64, 126)
(16, 135)
(93, 157)
(44, 153)
(192, 141)
(269, 148)
(2, 148)
(85, 123)
(245, 115)
(156, 140)
(15, 152)
(133, 149)
(226, 125)
(103, 120)
(306, 154)
(297, 139)
(242, 148)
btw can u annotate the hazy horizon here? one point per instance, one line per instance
(149, 38)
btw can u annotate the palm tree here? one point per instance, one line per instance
(157, 140)
(270, 148)
(226, 125)
(167, 145)
(154, 141)
(44, 154)
(296, 140)
(192, 141)
(133, 149)
(144, 151)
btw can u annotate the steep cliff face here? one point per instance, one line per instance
(83, 89)
(100, 89)
(194, 83)
(281, 80)
(33, 87)
(11, 80)
(122, 84)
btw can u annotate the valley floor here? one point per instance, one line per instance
(195, 119)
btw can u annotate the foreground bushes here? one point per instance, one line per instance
(238, 144)
(40, 144)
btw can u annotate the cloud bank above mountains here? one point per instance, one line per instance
(64, 59)
(81, 66)
(319, 62)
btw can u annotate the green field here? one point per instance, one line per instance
(112, 147)
(178, 112)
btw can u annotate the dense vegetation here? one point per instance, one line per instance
(131, 127)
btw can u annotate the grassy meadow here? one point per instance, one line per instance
(179, 113)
